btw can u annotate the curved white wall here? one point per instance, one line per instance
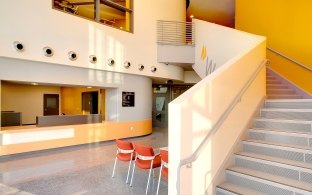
(37, 25)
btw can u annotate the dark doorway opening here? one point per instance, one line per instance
(50, 104)
(90, 102)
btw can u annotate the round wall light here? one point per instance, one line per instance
(72, 55)
(18, 46)
(93, 59)
(141, 67)
(153, 69)
(110, 61)
(127, 64)
(47, 51)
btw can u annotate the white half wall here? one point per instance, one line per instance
(35, 24)
(193, 115)
(219, 44)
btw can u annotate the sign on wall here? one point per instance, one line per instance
(127, 99)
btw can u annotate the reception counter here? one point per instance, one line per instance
(33, 138)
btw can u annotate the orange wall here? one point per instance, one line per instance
(71, 98)
(82, 134)
(286, 26)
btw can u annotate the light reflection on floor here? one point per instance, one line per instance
(84, 169)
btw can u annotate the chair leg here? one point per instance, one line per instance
(129, 168)
(133, 172)
(159, 179)
(149, 176)
(115, 165)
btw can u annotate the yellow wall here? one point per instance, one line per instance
(71, 98)
(287, 27)
(27, 99)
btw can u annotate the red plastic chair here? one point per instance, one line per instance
(145, 159)
(125, 152)
(164, 166)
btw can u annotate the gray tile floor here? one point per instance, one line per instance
(84, 169)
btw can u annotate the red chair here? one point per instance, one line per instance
(145, 159)
(164, 166)
(125, 152)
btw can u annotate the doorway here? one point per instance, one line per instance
(90, 102)
(50, 104)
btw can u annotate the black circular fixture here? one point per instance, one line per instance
(18, 46)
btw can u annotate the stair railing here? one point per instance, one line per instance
(175, 33)
(290, 59)
(189, 160)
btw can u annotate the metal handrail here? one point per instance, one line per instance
(188, 161)
(290, 59)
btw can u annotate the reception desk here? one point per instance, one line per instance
(58, 120)
(41, 138)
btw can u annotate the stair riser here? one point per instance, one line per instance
(293, 115)
(290, 105)
(277, 169)
(224, 192)
(279, 152)
(260, 185)
(270, 87)
(290, 139)
(272, 96)
(273, 82)
(281, 92)
(283, 125)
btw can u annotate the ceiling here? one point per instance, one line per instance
(217, 11)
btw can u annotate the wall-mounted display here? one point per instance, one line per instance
(127, 99)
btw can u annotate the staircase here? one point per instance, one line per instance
(277, 156)
(278, 89)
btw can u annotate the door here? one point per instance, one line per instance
(90, 102)
(50, 104)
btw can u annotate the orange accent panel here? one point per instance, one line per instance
(83, 134)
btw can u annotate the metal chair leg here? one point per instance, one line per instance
(133, 172)
(159, 179)
(149, 176)
(115, 165)
(129, 168)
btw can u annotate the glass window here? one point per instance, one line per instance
(115, 13)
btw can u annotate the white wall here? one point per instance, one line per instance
(191, 77)
(27, 99)
(193, 114)
(28, 71)
(221, 44)
(37, 25)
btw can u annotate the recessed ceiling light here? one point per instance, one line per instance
(34, 83)
(89, 87)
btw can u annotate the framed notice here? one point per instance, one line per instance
(127, 99)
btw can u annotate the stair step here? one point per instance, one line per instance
(282, 137)
(275, 168)
(289, 103)
(281, 92)
(283, 124)
(275, 159)
(298, 114)
(284, 96)
(276, 86)
(273, 82)
(265, 182)
(284, 151)
(232, 189)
